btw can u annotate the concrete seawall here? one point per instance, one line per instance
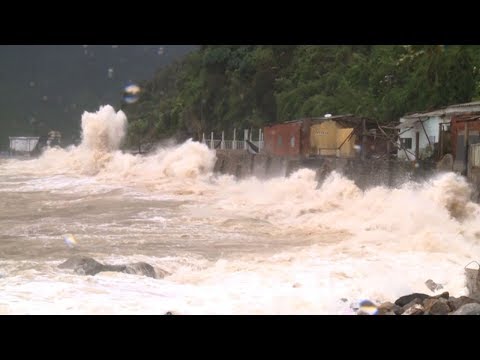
(365, 173)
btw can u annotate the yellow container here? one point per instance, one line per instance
(327, 137)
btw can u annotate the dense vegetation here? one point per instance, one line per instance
(221, 87)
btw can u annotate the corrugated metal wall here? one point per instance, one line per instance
(329, 139)
(323, 138)
(309, 137)
(283, 139)
(475, 155)
(458, 130)
(346, 142)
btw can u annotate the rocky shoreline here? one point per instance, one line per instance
(423, 304)
(413, 304)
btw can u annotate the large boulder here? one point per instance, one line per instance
(404, 300)
(84, 265)
(457, 303)
(141, 268)
(415, 304)
(416, 309)
(387, 308)
(468, 309)
(436, 306)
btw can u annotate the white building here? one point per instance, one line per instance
(426, 129)
(23, 144)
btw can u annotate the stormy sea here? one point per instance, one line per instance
(283, 245)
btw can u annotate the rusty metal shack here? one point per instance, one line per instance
(465, 134)
(343, 136)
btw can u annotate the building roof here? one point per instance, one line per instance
(407, 123)
(428, 114)
(470, 104)
(449, 110)
(321, 118)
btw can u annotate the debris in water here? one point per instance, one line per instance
(433, 286)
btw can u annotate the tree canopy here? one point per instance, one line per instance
(221, 87)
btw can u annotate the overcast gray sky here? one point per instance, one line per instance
(56, 83)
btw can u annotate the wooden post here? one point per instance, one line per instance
(466, 148)
(222, 145)
(245, 138)
(211, 141)
(234, 145)
(440, 141)
(417, 145)
(203, 138)
(364, 139)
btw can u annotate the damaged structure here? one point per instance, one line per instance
(427, 135)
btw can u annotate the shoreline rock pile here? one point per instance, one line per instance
(423, 304)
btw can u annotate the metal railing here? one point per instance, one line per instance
(234, 144)
(231, 144)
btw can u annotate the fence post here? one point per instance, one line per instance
(234, 144)
(212, 146)
(222, 144)
(245, 138)
(203, 138)
(364, 139)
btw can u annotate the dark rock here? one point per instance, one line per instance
(416, 309)
(411, 304)
(388, 307)
(140, 268)
(436, 306)
(114, 268)
(468, 309)
(456, 304)
(444, 295)
(404, 300)
(432, 285)
(344, 299)
(161, 273)
(82, 265)
(85, 265)
(168, 313)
